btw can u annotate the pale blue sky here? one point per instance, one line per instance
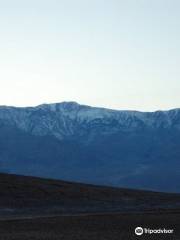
(109, 53)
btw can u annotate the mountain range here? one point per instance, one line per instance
(74, 142)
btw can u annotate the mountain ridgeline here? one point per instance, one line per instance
(74, 142)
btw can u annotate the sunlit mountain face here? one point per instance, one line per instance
(74, 142)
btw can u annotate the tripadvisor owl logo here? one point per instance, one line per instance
(139, 231)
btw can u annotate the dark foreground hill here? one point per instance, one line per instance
(44, 209)
(21, 195)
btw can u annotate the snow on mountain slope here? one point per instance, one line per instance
(68, 119)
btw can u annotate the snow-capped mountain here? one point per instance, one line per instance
(69, 119)
(77, 142)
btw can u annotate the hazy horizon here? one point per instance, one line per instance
(115, 54)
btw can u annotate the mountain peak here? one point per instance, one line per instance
(69, 106)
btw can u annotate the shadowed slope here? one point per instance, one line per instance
(28, 195)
